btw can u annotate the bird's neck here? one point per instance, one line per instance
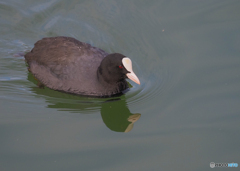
(120, 84)
(103, 77)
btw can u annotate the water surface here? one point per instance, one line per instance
(184, 115)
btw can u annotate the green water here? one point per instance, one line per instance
(184, 115)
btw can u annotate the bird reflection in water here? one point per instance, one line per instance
(115, 113)
(117, 117)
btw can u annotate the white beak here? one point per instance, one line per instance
(127, 63)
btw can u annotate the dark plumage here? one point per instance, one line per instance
(66, 64)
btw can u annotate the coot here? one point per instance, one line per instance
(68, 65)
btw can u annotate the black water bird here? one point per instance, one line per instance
(68, 65)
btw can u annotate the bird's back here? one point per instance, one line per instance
(66, 64)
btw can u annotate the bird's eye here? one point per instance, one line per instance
(120, 66)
